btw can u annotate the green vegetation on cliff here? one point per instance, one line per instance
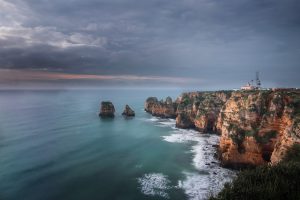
(281, 181)
(266, 137)
(240, 134)
(293, 154)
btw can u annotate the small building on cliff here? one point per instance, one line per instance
(248, 87)
(251, 86)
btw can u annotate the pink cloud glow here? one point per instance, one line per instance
(8, 75)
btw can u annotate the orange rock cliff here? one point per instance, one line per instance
(256, 127)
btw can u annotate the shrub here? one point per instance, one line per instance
(296, 105)
(263, 110)
(238, 138)
(293, 154)
(250, 133)
(186, 101)
(223, 115)
(232, 127)
(266, 137)
(264, 183)
(276, 100)
(252, 108)
(267, 182)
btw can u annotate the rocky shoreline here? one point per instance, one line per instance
(256, 127)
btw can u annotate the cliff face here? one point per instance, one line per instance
(200, 110)
(256, 127)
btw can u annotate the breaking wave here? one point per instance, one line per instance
(208, 177)
(154, 184)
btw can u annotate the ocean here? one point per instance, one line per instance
(53, 146)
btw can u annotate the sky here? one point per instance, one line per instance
(201, 44)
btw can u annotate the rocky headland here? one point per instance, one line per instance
(107, 110)
(256, 127)
(164, 109)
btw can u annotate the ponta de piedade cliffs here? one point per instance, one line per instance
(256, 126)
(107, 110)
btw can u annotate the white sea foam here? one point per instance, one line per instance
(182, 136)
(154, 184)
(153, 119)
(162, 122)
(195, 185)
(209, 177)
(167, 123)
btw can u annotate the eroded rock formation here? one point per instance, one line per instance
(128, 111)
(107, 109)
(164, 109)
(256, 127)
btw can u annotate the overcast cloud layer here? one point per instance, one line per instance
(219, 43)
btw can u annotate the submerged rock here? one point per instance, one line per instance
(107, 109)
(128, 112)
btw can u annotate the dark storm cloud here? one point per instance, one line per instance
(221, 42)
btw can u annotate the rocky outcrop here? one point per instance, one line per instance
(128, 112)
(184, 121)
(107, 109)
(164, 109)
(256, 127)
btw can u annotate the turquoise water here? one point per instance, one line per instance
(54, 146)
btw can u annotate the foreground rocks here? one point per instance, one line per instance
(107, 110)
(128, 112)
(256, 127)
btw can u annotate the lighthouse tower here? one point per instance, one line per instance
(258, 83)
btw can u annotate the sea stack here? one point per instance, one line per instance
(128, 112)
(107, 109)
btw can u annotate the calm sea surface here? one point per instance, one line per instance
(53, 146)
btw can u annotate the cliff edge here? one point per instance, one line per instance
(256, 126)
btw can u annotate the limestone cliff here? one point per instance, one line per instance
(164, 109)
(256, 127)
